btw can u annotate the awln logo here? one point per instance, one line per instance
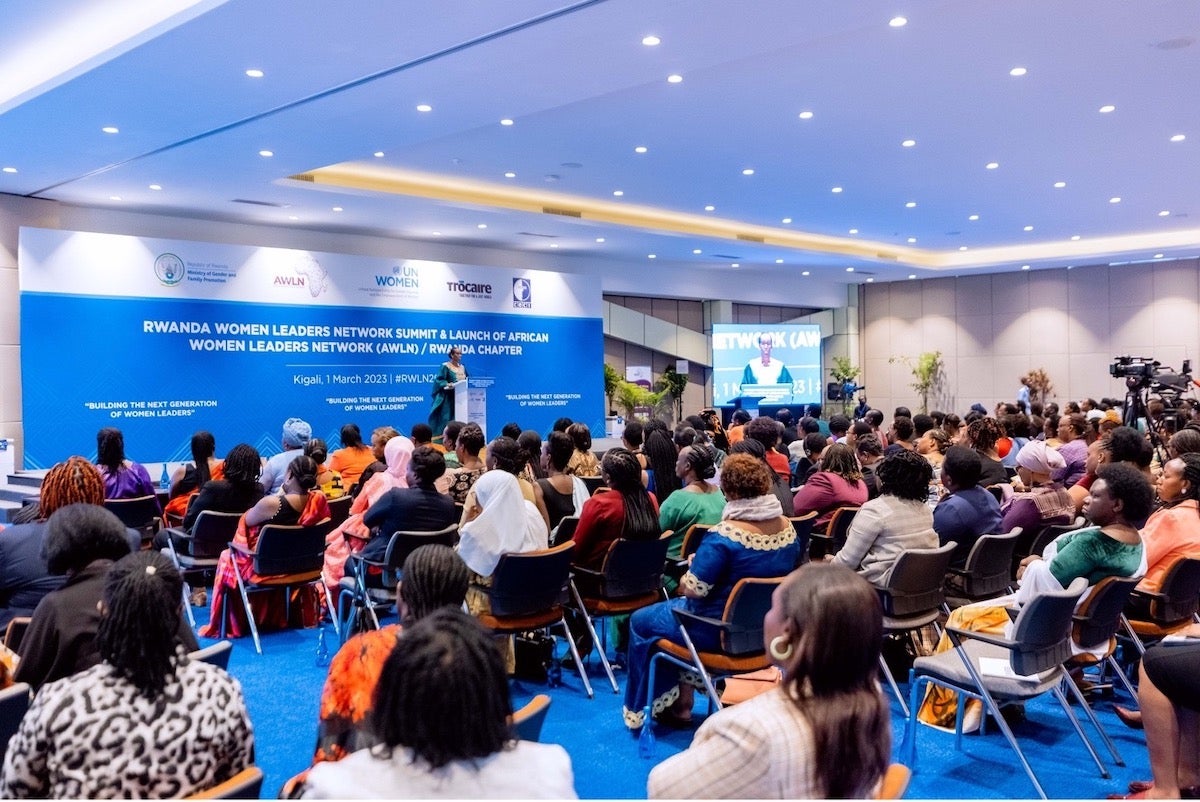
(522, 293)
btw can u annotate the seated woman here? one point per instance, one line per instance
(434, 577)
(1046, 502)
(661, 456)
(122, 478)
(699, 501)
(82, 542)
(823, 732)
(506, 455)
(1173, 531)
(752, 540)
(352, 534)
(583, 462)
(982, 435)
(457, 482)
(187, 719)
(298, 504)
(329, 481)
(562, 493)
(238, 491)
(188, 479)
(499, 521)
(531, 441)
(838, 483)
(933, 446)
(1119, 500)
(380, 437)
(416, 508)
(441, 725)
(24, 578)
(899, 520)
(627, 512)
(352, 458)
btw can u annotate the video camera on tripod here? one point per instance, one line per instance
(1144, 376)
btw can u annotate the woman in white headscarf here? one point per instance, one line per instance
(502, 521)
(353, 534)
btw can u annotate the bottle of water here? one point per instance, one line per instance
(165, 480)
(646, 739)
(322, 648)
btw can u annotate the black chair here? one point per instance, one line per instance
(527, 722)
(1096, 621)
(629, 579)
(565, 530)
(14, 633)
(740, 631)
(217, 654)
(913, 597)
(339, 510)
(676, 567)
(365, 599)
(14, 702)
(987, 571)
(834, 536)
(593, 483)
(1035, 654)
(1169, 610)
(1051, 533)
(197, 552)
(286, 556)
(528, 591)
(141, 513)
(803, 524)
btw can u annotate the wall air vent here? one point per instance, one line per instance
(562, 212)
(532, 234)
(260, 203)
(726, 256)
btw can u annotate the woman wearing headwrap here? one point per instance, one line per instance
(353, 534)
(1045, 502)
(296, 433)
(502, 521)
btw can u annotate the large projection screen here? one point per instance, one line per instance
(785, 357)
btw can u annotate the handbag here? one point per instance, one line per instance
(534, 655)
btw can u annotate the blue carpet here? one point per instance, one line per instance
(283, 688)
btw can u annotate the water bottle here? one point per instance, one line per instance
(646, 739)
(165, 480)
(322, 648)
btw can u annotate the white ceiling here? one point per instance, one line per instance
(343, 80)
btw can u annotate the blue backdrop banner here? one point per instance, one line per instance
(165, 357)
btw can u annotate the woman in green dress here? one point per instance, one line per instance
(442, 410)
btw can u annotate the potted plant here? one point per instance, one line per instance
(926, 370)
(611, 380)
(844, 372)
(1040, 386)
(673, 382)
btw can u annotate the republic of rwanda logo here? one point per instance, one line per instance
(522, 293)
(169, 269)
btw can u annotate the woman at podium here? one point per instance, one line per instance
(442, 410)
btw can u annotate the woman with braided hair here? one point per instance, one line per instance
(982, 435)
(441, 720)
(123, 478)
(146, 721)
(699, 501)
(627, 511)
(24, 578)
(1173, 531)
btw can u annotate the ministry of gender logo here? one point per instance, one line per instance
(169, 269)
(522, 293)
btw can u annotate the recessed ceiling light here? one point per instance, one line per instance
(651, 41)
(973, 217)
(437, 233)
(992, 165)
(114, 197)
(778, 261)
(156, 187)
(424, 107)
(805, 273)
(674, 79)
(293, 217)
(908, 143)
(640, 149)
(651, 256)
(1027, 228)
(836, 190)
(735, 264)
(266, 154)
(910, 205)
(618, 192)
(10, 169)
(510, 174)
(1163, 213)
(897, 22)
(379, 154)
(1114, 200)
(1158, 256)
(1024, 267)
(1017, 72)
(1059, 184)
(710, 208)
(962, 247)
(1178, 138)
(599, 239)
(506, 121)
(748, 171)
(1107, 108)
(111, 129)
(912, 240)
(481, 225)
(912, 275)
(787, 221)
(849, 269)
(870, 280)
(553, 244)
(338, 209)
(254, 73)
(854, 231)
(806, 115)
(1074, 238)
(696, 251)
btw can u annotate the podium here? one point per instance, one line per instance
(470, 401)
